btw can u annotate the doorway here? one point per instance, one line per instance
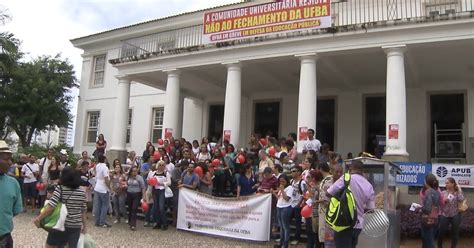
(216, 122)
(325, 121)
(374, 124)
(267, 118)
(447, 125)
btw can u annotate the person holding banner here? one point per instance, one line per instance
(284, 195)
(450, 214)
(247, 182)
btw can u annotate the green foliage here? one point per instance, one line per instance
(38, 96)
(41, 151)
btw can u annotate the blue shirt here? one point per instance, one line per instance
(189, 179)
(145, 167)
(246, 185)
(11, 203)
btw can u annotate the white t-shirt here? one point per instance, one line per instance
(46, 162)
(297, 196)
(170, 168)
(314, 145)
(281, 203)
(102, 172)
(29, 176)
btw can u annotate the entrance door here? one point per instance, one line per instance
(216, 122)
(325, 121)
(374, 123)
(447, 119)
(267, 118)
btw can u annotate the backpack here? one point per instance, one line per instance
(342, 209)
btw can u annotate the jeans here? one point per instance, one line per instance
(133, 200)
(284, 218)
(444, 222)
(118, 203)
(428, 236)
(159, 202)
(347, 238)
(312, 239)
(149, 216)
(101, 206)
(297, 218)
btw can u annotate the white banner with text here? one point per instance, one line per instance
(462, 173)
(243, 218)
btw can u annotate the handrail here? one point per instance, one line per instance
(346, 15)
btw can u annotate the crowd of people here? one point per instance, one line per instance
(151, 184)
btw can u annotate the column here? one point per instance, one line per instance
(233, 99)
(307, 97)
(396, 112)
(118, 147)
(172, 106)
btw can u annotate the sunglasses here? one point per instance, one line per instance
(294, 171)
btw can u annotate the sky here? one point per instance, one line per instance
(45, 27)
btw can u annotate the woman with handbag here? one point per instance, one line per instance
(430, 211)
(68, 193)
(451, 212)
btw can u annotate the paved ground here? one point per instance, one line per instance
(25, 234)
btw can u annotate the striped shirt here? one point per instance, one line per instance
(75, 200)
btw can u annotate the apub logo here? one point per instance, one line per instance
(442, 171)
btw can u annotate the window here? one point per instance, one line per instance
(129, 126)
(99, 69)
(93, 120)
(157, 124)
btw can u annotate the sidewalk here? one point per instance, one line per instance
(416, 243)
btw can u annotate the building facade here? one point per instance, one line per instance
(398, 74)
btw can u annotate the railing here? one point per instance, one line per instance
(345, 13)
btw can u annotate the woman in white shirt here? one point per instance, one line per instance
(163, 180)
(283, 194)
(204, 154)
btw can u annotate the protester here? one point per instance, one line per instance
(84, 157)
(286, 163)
(325, 234)
(247, 182)
(146, 167)
(53, 171)
(311, 144)
(324, 154)
(203, 153)
(205, 183)
(450, 214)
(10, 197)
(313, 180)
(63, 163)
(364, 196)
(163, 179)
(132, 160)
(119, 191)
(101, 192)
(189, 179)
(30, 172)
(100, 146)
(292, 151)
(265, 161)
(299, 187)
(74, 197)
(148, 152)
(219, 174)
(135, 192)
(43, 177)
(284, 195)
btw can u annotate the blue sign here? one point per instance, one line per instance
(413, 174)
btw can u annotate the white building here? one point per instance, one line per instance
(400, 69)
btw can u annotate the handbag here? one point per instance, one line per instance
(462, 206)
(432, 219)
(168, 192)
(57, 218)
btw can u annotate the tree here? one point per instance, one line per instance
(37, 96)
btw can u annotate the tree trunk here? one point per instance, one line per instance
(31, 131)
